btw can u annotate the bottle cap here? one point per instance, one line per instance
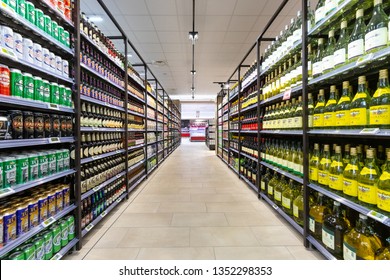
(300, 98)
(316, 146)
(345, 84)
(353, 151)
(322, 92)
(331, 33)
(310, 95)
(362, 217)
(326, 148)
(377, 2)
(388, 154)
(370, 153)
(333, 88)
(384, 74)
(298, 13)
(344, 24)
(338, 149)
(359, 13)
(336, 203)
(362, 80)
(320, 41)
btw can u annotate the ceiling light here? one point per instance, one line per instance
(192, 89)
(193, 36)
(95, 18)
(129, 55)
(193, 72)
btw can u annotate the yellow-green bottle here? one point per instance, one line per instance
(330, 109)
(318, 118)
(298, 207)
(324, 166)
(350, 175)
(288, 197)
(342, 107)
(383, 199)
(336, 171)
(368, 180)
(279, 188)
(314, 163)
(376, 36)
(380, 102)
(271, 185)
(359, 108)
(316, 216)
(347, 155)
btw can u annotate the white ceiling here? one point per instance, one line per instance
(159, 31)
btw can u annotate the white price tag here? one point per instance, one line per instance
(56, 257)
(118, 152)
(95, 189)
(54, 140)
(103, 214)
(370, 131)
(119, 200)
(118, 129)
(377, 216)
(53, 106)
(95, 128)
(89, 227)
(119, 176)
(275, 206)
(96, 157)
(276, 131)
(364, 59)
(6, 191)
(287, 94)
(48, 222)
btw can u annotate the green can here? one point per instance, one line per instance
(28, 85)
(39, 20)
(54, 29)
(30, 12)
(17, 256)
(68, 92)
(33, 166)
(48, 239)
(16, 83)
(66, 157)
(43, 165)
(9, 171)
(29, 251)
(22, 168)
(38, 89)
(64, 232)
(2, 181)
(12, 4)
(46, 91)
(60, 160)
(71, 228)
(52, 162)
(67, 38)
(63, 95)
(21, 8)
(54, 93)
(61, 36)
(47, 23)
(39, 243)
(56, 231)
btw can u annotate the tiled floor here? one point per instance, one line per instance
(193, 207)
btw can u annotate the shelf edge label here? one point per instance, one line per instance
(56, 257)
(370, 131)
(89, 227)
(118, 200)
(377, 216)
(48, 222)
(6, 191)
(103, 214)
(364, 59)
(54, 140)
(53, 106)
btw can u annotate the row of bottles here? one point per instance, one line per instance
(249, 97)
(99, 116)
(94, 144)
(249, 146)
(234, 124)
(234, 107)
(250, 75)
(248, 168)
(365, 179)
(249, 121)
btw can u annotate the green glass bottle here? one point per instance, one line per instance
(359, 108)
(336, 171)
(383, 199)
(340, 53)
(324, 166)
(342, 107)
(279, 189)
(347, 155)
(272, 184)
(376, 35)
(297, 123)
(317, 62)
(368, 180)
(265, 180)
(318, 118)
(328, 58)
(356, 40)
(310, 111)
(316, 216)
(380, 102)
(320, 11)
(298, 207)
(330, 109)
(298, 161)
(314, 163)
(288, 197)
(350, 175)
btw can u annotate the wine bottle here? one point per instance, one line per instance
(356, 40)
(336, 171)
(318, 118)
(328, 57)
(310, 106)
(324, 166)
(317, 62)
(264, 181)
(279, 188)
(320, 11)
(376, 36)
(383, 199)
(342, 107)
(380, 102)
(298, 207)
(330, 109)
(350, 175)
(314, 163)
(316, 216)
(288, 198)
(368, 180)
(272, 184)
(340, 53)
(359, 108)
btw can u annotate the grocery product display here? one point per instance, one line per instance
(307, 128)
(80, 128)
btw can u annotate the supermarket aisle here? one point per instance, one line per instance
(193, 207)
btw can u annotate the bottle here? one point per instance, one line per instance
(347, 155)
(279, 188)
(334, 227)
(298, 161)
(310, 110)
(328, 57)
(340, 53)
(336, 171)
(342, 107)
(317, 62)
(330, 109)
(324, 166)
(359, 108)
(264, 181)
(350, 175)
(356, 40)
(297, 123)
(368, 180)
(318, 118)
(316, 216)
(314, 164)
(360, 243)
(380, 102)
(288, 198)
(320, 11)
(272, 184)
(384, 252)
(376, 35)
(298, 207)
(254, 173)
(383, 195)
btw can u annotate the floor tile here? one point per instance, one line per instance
(301, 253)
(253, 253)
(143, 220)
(199, 219)
(181, 207)
(277, 236)
(112, 238)
(213, 197)
(223, 236)
(229, 207)
(251, 219)
(182, 253)
(162, 197)
(142, 207)
(112, 254)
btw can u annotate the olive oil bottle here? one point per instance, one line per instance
(342, 108)
(279, 188)
(340, 53)
(368, 180)
(318, 118)
(380, 102)
(324, 166)
(272, 184)
(330, 109)
(264, 181)
(316, 216)
(350, 175)
(336, 171)
(314, 163)
(383, 199)
(288, 197)
(359, 108)
(298, 207)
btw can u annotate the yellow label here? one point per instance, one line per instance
(383, 200)
(270, 190)
(342, 118)
(359, 116)
(313, 174)
(350, 187)
(367, 193)
(336, 182)
(277, 196)
(360, 95)
(286, 202)
(329, 119)
(351, 167)
(318, 120)
(368, 171)
(380, 91)
(380, 115)
(311, 120)
(323, 177)
(344, 99)
(385, 176)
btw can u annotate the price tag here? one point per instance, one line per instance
(95, 189)
(56, 257)
(276, 131)
(96, 157)
(275, 206)
(119, 200)
(6, 191)
(54, 140)
(53, 106)
(89, 227)
(118, 176)
(287, 94)
(118, 129)
(118, 152)
(95, 128)
(48, 222)
(377, 216)
(103, 214)
(364, 59)
(370, 131)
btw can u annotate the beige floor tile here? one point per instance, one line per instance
(199, 219)
(253, 253)
(181, 207)
(92, 237)
(112, 254)
(247, 197)
(212, 197)
(183, 253)
(112, 238)
(230, 190)
(222, 236)
(229, 207)
(142, 207)
(277, 236)
(156, 237)
(301, 253)
(245, 219)
(143, 220)
(76, 255)
(162, 197)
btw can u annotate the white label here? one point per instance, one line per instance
(53, 106)
(296, 211)
(328, 238)
(348, 253)
(319, 14)
(312, 224)
(95, 189)
(376, 38)
(328, 62)
(330, 6)
(287, 94)
(6, 191)
(317, 68)
(89, 227)
(103, 214)
(54, 140)
(370, 131)
(56, 257)
(297, 35)
(339, 56)
(377, 216)
(356, 48)
(119, 200)
(48, 222)
(278, 196)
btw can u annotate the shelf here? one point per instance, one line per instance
(137, 82)
(151, 143)
(369, 133)
(24, 24)
(249, 131)
(152, 155)
(251, 107)
(136, 130)
(137, 183)
(151, 119)
(101, 129)
(234, 131)
(136, 97)
(280, 96)
(22, 187)
(102, 215)
(282, 132)
(233, 96)
(136, 165)
(321, 248)
(65, 250)
(234, 150)
(131, 148)
(250, 157)
(234, 114)
(90, 159)
(249, 183)
(97, 74)
(32, 104)
(374, 214)
(232, 168)
(21, 143)
(52, 10)
(152, 169)
(249, 83)
(136, 114)
(34, 231)
(225, 161)
(282, 213)
(226, 150)
(225, 112)
(105, 104)
(107, 182)
(281, 171)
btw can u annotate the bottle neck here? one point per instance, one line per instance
(332, 96)
(362, 87)
(384, 82)
(319, 201)
(361, 225)
(337, 210)
(370, 162)
(337, 157)
(345, 92)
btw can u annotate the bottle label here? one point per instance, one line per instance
(383, 199)
(380, 115)
(367, 193)
(317, 68)
(328, 62)
(356, 48)
(336, 182)
(319, 14)
(298, 122)
(341, 118)
(311, 121)
(286, 202)
(330, 6)
(328, 238)
(318, 120)
(368, 171)
(297, 35)
(277, 196)
(312, 224)
(358, 117)
(296, 211)
(350, 187)
(323, 177)
(376, 38)
(313, 174)
(263, 185)
(270, 190)
(339, 56)
(349, 252)
(351, 167)
(329, 119)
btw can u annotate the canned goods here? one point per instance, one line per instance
(61, 37)
(47, 125)
(12, 5)
(46, 91)
(66, 195)
(66, 156)
(18, 46)
(39, 243)
(52, 162)
(64, 232)
(9, 221)
(38, 89)
(22, 224)
(63, 96)
(59, 65)
(16, 83)
(46, 59)
(39, 20)
(28, 86)
(28, 50)
(52, 62)
(55, 122)
(30, 12)
(48, 241)
(28, 125)
(54, 93)
(61, 6)
(7, 38)
(17, 256)
(38, 57)
(21, 8)
(33, 166)
(16, 119)
(59, 199)
(1, 226)
(51, 203)
(43, 208)
(65, 68)
(1, 186)
(9, 171)
(39, 127)
(54, 29)
(60, 161)
(4, 80)
(33, 213)
(63, 126)
(67, 37)
(29, 251)
(69, 97)
(56, 231)
(22, 168)
(69, 126)
(43, 165)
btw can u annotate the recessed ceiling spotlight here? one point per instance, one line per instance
(193, 72)
(193, 36)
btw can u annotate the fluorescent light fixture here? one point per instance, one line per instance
(193, 36)
(193, 72)
(95, 18)
(129, 55)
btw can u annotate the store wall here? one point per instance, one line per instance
(197, 110)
